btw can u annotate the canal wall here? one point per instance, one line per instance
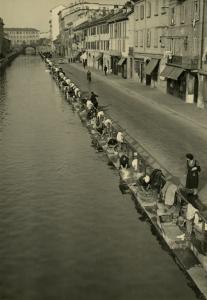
(180, 246)
(4, 62)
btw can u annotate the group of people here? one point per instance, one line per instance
(103, 130)
(103, 125)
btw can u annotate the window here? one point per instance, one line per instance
(163, 7)
(148, 12)
(196, 10)
(162, 38)
(107, 45)
(136, 38)
(156, 7)
(123, 45)
(141, 38)
(148, 38)
(111, 30)
(156, 38)
(141, 12)
(195, 46)
(137, 12)
(182, 14)
(115, 30)
(172, 16)
(124, 29)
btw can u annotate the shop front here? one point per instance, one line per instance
(99, 60)
(122, 67)
(176, 81)
(151, 71)
(139, 69)
(114, 64)
(107, 61)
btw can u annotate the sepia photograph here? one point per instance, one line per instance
(103, 150)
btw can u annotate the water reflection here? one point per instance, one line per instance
(66, 231)
(3, 96)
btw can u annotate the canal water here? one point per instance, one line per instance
(66, 231)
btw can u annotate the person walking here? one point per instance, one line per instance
(105, 70)
(193, 170)
(89, 76)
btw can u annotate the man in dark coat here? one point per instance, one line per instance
(89, 76)
(124, 162)
(193, 169)
(105, 70)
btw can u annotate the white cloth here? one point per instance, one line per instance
(198, 223)
(89, 104)
(68, 81)
(107, 122)
(76, 91)
(100, 113)
(190, 213)
(135, 164)
(120, 137)
(170, 194)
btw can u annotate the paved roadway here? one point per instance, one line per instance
(167, 136)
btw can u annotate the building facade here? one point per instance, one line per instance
(150, 24)
(1, 36)
(97, 43)
(202, 74)
(121, 32)
(74, 15)
(20, 36)
(160, 43)
(54, 24)
(183, 42)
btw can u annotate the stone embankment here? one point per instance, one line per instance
(4, 62)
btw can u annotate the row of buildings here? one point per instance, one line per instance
(28, 37)
(160, 43)
(20, 36)
(5, 43)
(11, 38)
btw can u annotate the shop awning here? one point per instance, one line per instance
(122, 61)
(151, 66)
(172, 72)
(100, 56)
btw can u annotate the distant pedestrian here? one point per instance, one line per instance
(105, 70)
(193, 170)
(89, 76)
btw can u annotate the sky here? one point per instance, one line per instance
(33, 13)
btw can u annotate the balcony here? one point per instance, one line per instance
(184, 62)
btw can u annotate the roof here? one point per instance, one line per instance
(21, 29)
(120, 16)
(109, 18)
(82, 26)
